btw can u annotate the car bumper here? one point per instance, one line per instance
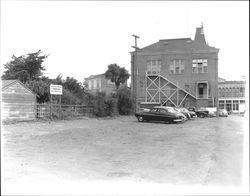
(179, 120)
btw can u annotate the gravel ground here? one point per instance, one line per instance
(200, 152)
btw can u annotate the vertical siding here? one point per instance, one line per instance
(18, 103)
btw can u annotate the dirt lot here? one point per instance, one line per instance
(205, 152)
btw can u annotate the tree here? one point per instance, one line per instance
(118, 75)
(25, 68)
(41, 89)
(73, 85)
(125, 102)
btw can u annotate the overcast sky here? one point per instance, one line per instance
(82, 38)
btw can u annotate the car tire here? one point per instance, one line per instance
(202, 115)
(140, 118)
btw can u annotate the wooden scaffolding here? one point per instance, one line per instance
(162, 90)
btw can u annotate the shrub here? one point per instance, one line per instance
(125, 103)
(109, 106)
(103, 105)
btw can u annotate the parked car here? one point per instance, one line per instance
(201, 112)
(223, 112)
(185, 112)
(161, 113)
(192, 114)
(144, 110)
(211, 111)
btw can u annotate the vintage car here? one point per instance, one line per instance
(223, 112)
(211, 111)
(191, 113)
(161, 113)
(185, 112)
(201, 112)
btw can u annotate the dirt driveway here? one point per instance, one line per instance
(205, 152)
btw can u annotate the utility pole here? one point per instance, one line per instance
(135, 71)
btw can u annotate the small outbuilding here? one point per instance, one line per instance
(18, 101)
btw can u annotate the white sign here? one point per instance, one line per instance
(55, 89)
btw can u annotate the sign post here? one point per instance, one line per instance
(55, 90)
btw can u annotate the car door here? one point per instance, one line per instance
(159, 115)
(151, 114)
(165, 115)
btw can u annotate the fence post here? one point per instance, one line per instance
(60, 107)
(50, 106)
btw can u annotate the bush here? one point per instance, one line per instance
(125, 103)
(109, 106)
(70, 98)
(103, 105)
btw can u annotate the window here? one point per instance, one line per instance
(199, 66)
(89, 84)
(95, 84)
(98, 83)
(177, 66)
(154, 110)
(154, 66)
(92, 84)
(162, 111)
(235, 105)
(202, 90)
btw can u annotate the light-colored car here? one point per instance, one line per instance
(144, 110)
(223, 112)
(184, 111)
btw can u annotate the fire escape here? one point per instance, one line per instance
(162, 90)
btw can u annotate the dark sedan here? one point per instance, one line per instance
(160, 113)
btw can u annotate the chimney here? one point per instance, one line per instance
(199, 35)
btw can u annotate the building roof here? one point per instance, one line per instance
(7, 83)
(221, 79)
(178, 45)
(199, 35)
(95, 76)
(233, 82)
(181, 45)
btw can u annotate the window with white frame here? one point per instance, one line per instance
(177, 66)
(95, 84)
(98, 83)
(90, 85)
(154, 66)
(199, 66)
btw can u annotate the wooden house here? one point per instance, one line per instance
(18, 102)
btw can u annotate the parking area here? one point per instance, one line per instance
(207, 151)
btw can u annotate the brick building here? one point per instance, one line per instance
(98, 83)
(176, 72)
(232, 95)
